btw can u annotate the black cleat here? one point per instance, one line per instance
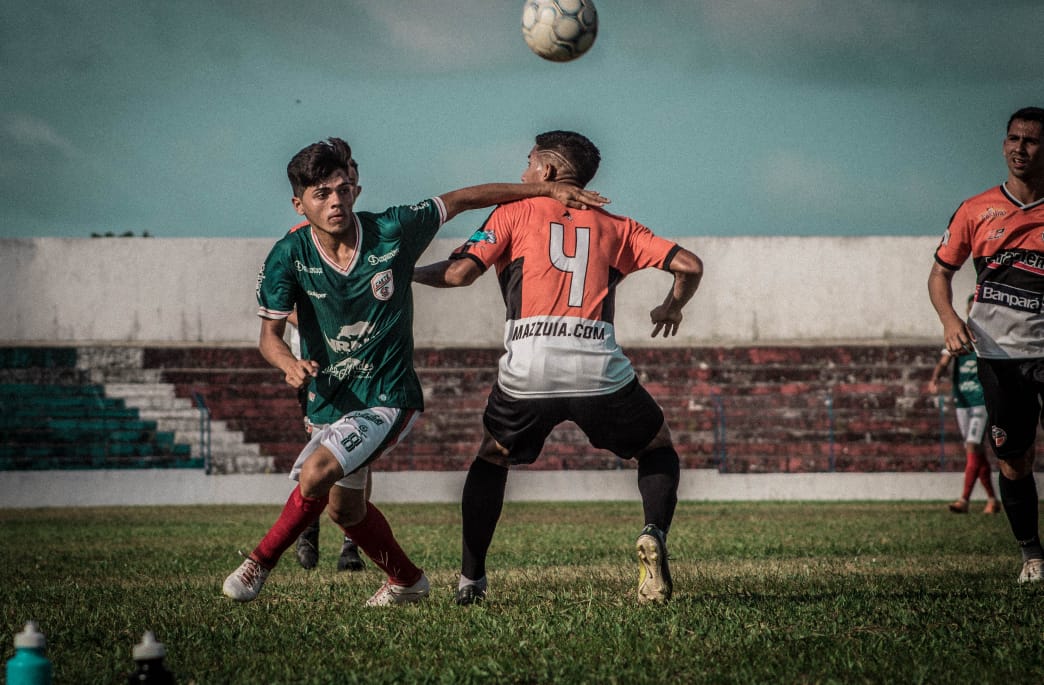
(472, 593)
(350, 559)
(308, 547)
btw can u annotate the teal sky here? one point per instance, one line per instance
(714, 117)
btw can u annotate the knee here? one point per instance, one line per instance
(1016, 468)
(661, 441)
(318, 475)
(349, 514)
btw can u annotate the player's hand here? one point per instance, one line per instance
(577, 198)
(665, 318)
(300, 372)
(958, 337)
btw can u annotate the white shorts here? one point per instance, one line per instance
(972, 423)
(358, 438)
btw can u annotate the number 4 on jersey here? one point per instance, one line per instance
(576, 265)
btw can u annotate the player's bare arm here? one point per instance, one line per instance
(688, 271)
(276, 352)
(940, 290)
(938, 371)
(449, 273)
(489, 194)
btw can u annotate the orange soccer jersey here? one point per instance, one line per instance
(558, 270)
(1005, 239)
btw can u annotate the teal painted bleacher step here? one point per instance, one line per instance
(58, 426)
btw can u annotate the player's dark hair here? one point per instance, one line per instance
(580, 152)
(1027, 114)
(316, 162)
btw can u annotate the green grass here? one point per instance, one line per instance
(764, 593)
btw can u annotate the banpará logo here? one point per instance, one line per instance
(374, 260)
(307, 269)
(420, 205)
(992, 213)
(318, 296)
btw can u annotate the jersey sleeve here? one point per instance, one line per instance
(956, 242)
(492, 239)
(276, 285)
(420, 222)
(644, 249)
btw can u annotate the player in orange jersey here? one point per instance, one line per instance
(1002, 230)
(558, 270)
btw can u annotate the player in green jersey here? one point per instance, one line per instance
(348, 275)
(970, 407)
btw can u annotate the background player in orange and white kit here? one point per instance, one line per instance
(558, 270)
(1002, 230)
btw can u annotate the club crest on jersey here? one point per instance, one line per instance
(383, 285)
(999, 436)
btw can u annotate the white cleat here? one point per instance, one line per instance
(1032, 571)
(246, 581)
(390, 593)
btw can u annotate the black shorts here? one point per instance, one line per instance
(1014, 393)
(623, 422)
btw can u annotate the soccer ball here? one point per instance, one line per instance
(559, 30)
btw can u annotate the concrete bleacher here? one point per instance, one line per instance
(53, 417)
(736, 409)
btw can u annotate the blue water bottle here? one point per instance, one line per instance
(29, 666)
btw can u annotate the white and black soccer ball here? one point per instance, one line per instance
(559, 30)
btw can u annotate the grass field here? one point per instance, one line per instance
(764, 593)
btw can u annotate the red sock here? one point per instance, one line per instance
(971, 472)
(374, 536)
(984, 476)
(298, 513)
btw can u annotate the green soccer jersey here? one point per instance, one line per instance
(356, 323)
(967, 390)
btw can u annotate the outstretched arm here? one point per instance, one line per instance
(688, 270)
(489, 194)
(940, 290)
(449, 273)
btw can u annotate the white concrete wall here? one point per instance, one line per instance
(155, 487)
(757, 289)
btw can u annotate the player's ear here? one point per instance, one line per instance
(550, 172)
(298, 207)
(358, 191)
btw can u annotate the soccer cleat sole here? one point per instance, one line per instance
(654, 583)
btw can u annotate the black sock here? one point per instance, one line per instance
(658, 475)
(480, 507)
(1019, 498)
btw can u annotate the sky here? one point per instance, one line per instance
(714, 117)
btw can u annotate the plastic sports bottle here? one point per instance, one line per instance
(148, 657)
(29, 666)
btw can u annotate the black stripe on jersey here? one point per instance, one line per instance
(944, 265)
(609, 304)
(670, 257)
(511, 287)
